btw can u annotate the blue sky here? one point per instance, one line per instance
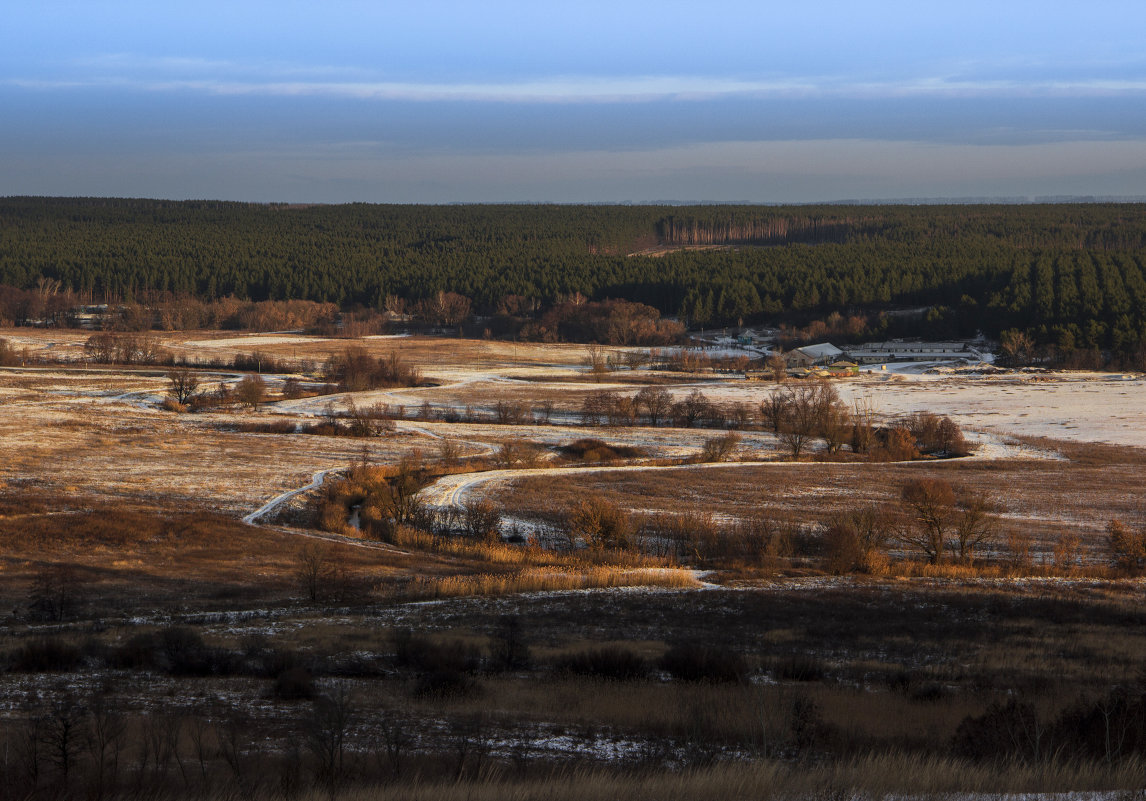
(590, 101)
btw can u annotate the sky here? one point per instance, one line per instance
(503, 101)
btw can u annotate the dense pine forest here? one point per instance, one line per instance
(1068, 275)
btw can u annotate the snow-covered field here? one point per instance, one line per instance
(1082, 407)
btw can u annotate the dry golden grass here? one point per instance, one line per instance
(500, 553)
(547, 579)
(129, 557)
(1040, 498)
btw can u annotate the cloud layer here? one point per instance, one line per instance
(589, 101)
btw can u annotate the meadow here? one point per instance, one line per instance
(505, 578)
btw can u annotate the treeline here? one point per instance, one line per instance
(1070, 275)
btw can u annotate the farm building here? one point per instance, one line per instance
(812, 355)
(900, 351)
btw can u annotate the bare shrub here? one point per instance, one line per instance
(517, 453)
(9, 356)
(386, 497)
(589, 449)
(251, 390)
(1010, 731)
(294, 684)
(863, 426)
(1127, 547)
(423, 655)
(1018, 545)
(1067, 551)
(894, 445)
(936, 435)
(857, 540)
(693, 534)
(597, 362)
(510, 412)
(600, 523)
(355, 370)
(799, 667)
(719, 449)
(507, 647)
(327, 729)
(449, 452)
(45, 654)
(481, 519)
(292, 388)
(598, 408)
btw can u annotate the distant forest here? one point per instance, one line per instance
(1072, 276)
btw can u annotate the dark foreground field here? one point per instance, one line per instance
(813, 688)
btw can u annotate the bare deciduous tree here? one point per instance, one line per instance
(251, 390)
(976, 525)
(481, 518)
(805, 407)
(597, 360)
(56, 590)
(863, 425)
(184, 383)
(62, 730)
(656, 402)
(691, 408)
(931, 505)
(777, 365)
(314, 568)
(104, 741)
(327, 729)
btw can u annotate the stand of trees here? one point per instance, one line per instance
(1071, 276)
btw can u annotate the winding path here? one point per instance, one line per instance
(273, 504)
(452, 491)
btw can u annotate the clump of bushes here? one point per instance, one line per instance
(611, 662)
(937, 435)
(691, 662)
(294, 684)
(355, 370)
(799, 667)
(44, 655)
(589, 449)
(178, 651)
(423, 655)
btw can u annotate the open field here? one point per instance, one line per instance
(128, 574)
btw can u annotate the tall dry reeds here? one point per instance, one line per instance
(548, 579)
(868, 777)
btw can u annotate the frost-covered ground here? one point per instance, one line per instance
(101, 428)
(1081, 407)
